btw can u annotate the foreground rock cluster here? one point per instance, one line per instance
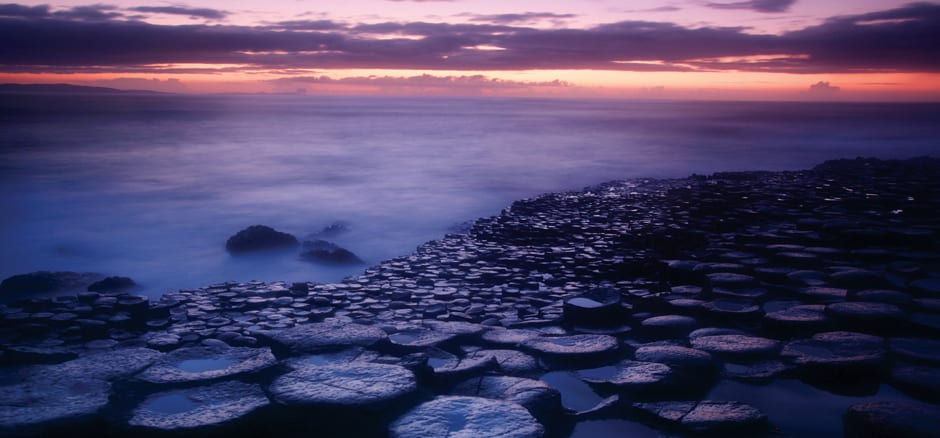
(647, 292)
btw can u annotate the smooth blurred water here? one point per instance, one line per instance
(151, 186)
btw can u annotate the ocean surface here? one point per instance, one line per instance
(151, 186)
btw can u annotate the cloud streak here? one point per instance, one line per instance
(212, 14)
(36, 39)
(767, 6)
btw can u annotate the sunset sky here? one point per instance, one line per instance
(710, 49)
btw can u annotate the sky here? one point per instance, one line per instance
(686, 49)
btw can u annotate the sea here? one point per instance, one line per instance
(150, 186)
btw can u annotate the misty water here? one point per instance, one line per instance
(151, 186)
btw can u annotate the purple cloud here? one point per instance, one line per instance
(96, 12)
(212, 14)
(15, 10)
(901, 39)
(823, 87)
(422, 81)
(756, 5)
(521, 18)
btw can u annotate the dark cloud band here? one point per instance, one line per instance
(35, 39)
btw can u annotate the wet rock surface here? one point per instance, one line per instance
(467, 416)
(630, 299)
(202, 364)
(348, 384)
(189, 410)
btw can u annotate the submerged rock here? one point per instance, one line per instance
(707, 416)
(259, 238)
(891, 419)
(186, 410)
(350, 384)
(460, 416)
(919, 349)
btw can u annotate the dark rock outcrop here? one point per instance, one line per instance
(328, 253)
(47, 281)
(259, 238)
(112, 284)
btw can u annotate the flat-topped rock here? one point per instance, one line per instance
(419, 339)
(460, 416)
(667, 326)
(312, 338)
(573, 348)
(192, 409)
(707, 416)
(595, 308)
(43, 402)
(837, 352)
(731, 280)
(510, 362)
(681, 358)
(509, 337)
(803, 319)
(206, 363)
(353, 384)
(352, 354)
(631, 376)
(448, 367)
(540, 399)
(737, 346)
(108, 365)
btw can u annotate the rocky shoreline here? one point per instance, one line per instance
(642, 294)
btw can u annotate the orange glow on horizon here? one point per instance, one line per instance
(583, 83)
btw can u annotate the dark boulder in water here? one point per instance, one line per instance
(47, 281)
(112, 284)
(328, 253)
(332, 230)
(259, 238)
